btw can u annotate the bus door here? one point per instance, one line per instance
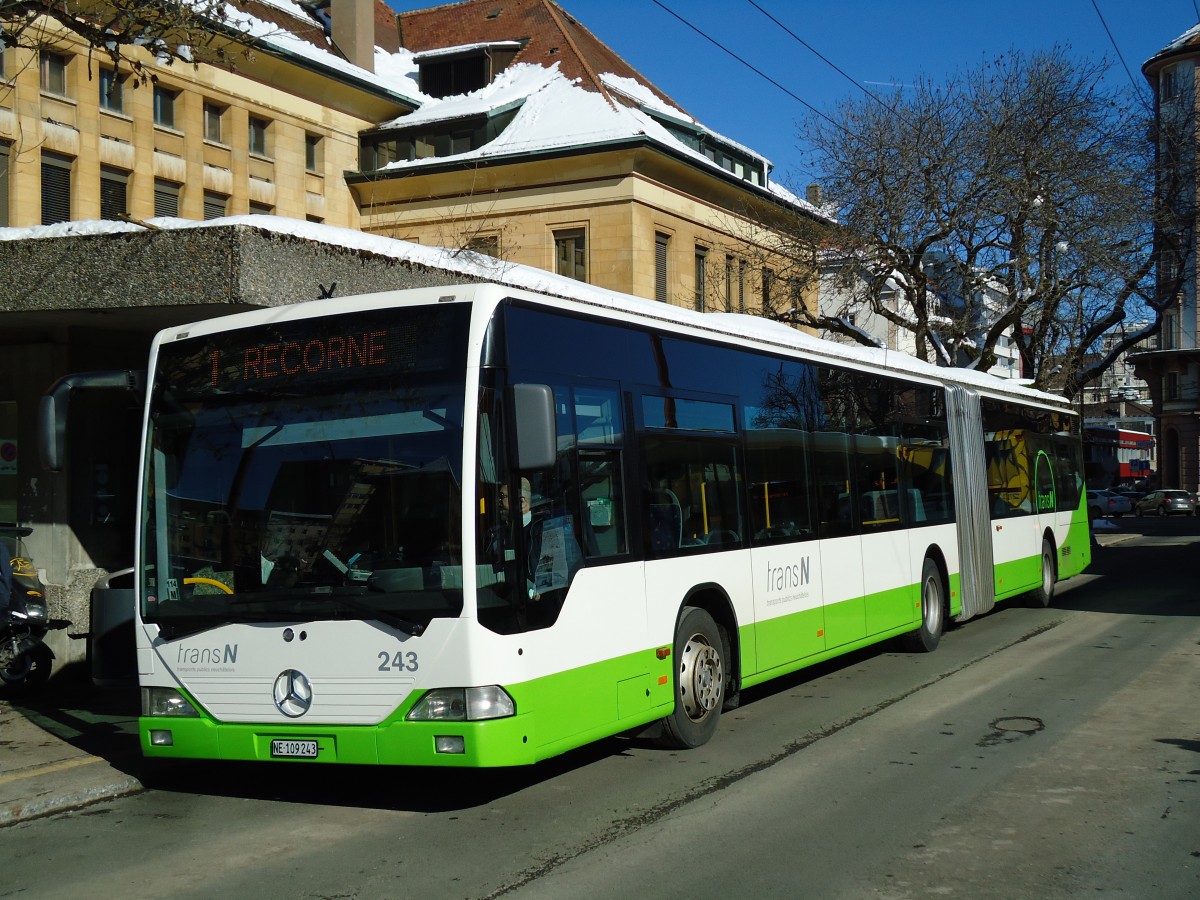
(838, 520)
(1015, 527)
(789, 618)
(694, 529)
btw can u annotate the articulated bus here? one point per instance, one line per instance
(477, 526)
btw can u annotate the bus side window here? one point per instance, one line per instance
(600, 436)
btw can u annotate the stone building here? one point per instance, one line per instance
(1172, 370)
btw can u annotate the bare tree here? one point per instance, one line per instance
(188, 31)
(1030, 181)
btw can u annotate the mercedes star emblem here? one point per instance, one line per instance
(293, 693)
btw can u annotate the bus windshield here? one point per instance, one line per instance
(317, 489)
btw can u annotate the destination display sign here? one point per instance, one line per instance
(298, 355)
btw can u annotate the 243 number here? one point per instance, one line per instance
(400, 662)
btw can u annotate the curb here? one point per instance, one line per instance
(47, 801)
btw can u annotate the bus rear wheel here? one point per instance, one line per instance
(699, 681)
(933, 611)
(1041, 595)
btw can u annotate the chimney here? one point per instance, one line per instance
(812, 194)
(353, 24)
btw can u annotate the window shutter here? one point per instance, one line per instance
(214, 205)
(113, 185)
(56, 188)
(660, 267)
(166, 198)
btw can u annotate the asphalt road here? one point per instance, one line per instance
(1038, 753)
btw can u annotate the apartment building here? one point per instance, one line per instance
(1172, 370)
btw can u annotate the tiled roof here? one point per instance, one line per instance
(548, 32)
(309, 29)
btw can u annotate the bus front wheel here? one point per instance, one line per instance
(933, 611)
(699, 681)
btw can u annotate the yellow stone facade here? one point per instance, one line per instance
(622, 200)
(295, 101)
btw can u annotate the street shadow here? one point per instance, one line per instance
(1136, 577)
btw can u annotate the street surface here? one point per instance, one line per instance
(1037, 753)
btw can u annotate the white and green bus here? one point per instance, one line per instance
(477, 526)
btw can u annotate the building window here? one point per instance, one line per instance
(1168, 83)
(110, 91)
(701, 277)
(258, 135)
(166, 198)
(1171, 386)
(570, 254)
(215, 205)
(446, 78)
(113, 193)
(164, 107)
(741, 286)
(661, 241)
(728, 284)
(768, 278)
(56, 188)
(214, 119)
(487, 244)
(314, 153)
(54, 73)
(5, 159)
(261, 209)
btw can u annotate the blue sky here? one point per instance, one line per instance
(875, 42)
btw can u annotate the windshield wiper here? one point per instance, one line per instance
(415, 629)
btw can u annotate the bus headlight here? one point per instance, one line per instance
(160, 701)
(463, 705)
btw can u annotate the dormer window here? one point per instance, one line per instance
(732, 159)
(459, 70)
(433, 139)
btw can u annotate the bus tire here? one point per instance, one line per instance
(933, 610)
(1040, 596)
(699, 681)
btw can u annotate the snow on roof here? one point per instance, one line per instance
(487, 268)
(392, 76)
(556, 113)
(467, 48)
(1180, 41)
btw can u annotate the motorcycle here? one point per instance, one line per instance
(25, 660)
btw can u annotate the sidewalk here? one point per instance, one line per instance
(66, 746)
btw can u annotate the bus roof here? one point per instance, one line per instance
(741, 328)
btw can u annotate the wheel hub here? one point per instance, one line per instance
(701, 678)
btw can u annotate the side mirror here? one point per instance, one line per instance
(537, 437)
(56, 403)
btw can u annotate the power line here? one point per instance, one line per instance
(1113, 41)
(751, 67)
(813, 50)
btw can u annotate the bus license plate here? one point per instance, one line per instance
(294, 749)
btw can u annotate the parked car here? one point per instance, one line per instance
(1166, 502)
(1107, 503)
(1133, 495)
